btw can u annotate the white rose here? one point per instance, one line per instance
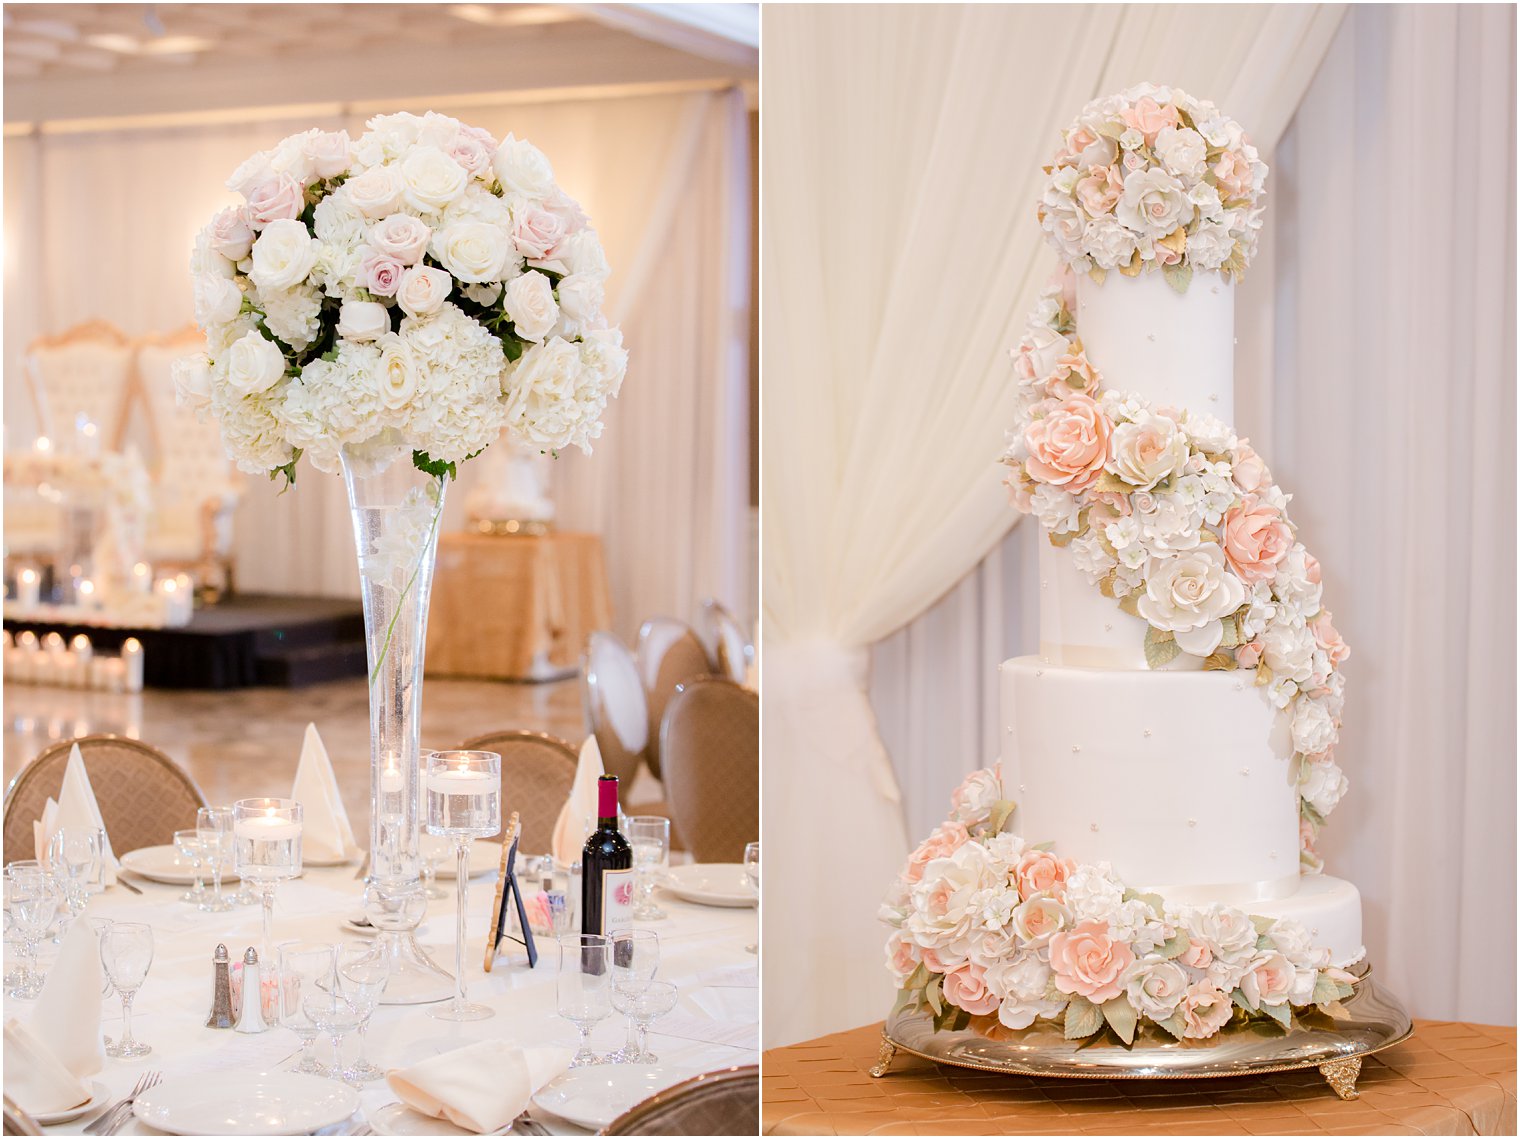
(1288, 650)
(1153, 203)
(582, 255)
(944, 899)
(283, 255)
(253, 364)
(326, 153)
(1206, 198)
(1038, 919)
(192, 381)
(580, 299)
(1269, 981)
(1211, 434)
(377, 192)
(1092, 893)
(1187, 594)
(1314, 728)
(1321, 785)
(398, 372)
(1295, 943)
(1148, 450)
(363, 320)
(1182, 151)
(523, 169)
(252, 171)
(231, 234)
(1039, 353)
(402, 237)
(1210, 245)
(475, 252)
(1065, 224)
(1229, 933)
(431, 179)
(1155, 987)
(1171, 526)
(530, 304)
(1020, 982)
(217, 299)
(423, 290)
(1109, 243)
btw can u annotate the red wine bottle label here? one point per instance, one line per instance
(617, 899)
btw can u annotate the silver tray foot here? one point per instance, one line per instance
(884, 1057)
(1341, 1076)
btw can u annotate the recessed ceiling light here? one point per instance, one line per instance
(158, 45)
(513, 15)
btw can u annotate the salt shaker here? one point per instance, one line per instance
(221, 991)
(250, 1016)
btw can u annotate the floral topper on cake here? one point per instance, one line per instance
(412, 292)
(1154, 179)
(1179, 521)
(987, 925)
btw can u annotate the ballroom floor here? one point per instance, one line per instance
(246, 743)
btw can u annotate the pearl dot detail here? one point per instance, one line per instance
(1314, 932)
(1021, 788)
(1039, 672)
(1146, 733)
(1076, 748)
(1245, 771)
(1094, 826)
(1214, 396)
(1107, 627)
(1215, 290)
(1239, 687)
(1150, 336)
(1192, 822)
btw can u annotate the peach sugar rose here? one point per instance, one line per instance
(1233, 174)
(1069, 444)
(1149, 117)
(1205, 1010)
(1326, 636)
(967, 988)
(1249, 470)
(1099, 192)
(1041, 872)
(1255, 539)
(1089, 963)
(947, 838)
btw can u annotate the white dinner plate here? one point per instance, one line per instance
(99, 1094)
(711, 884)
(485, 858)
(166, 864)
(398, 1119)
(593, 1097)
(246, 1103)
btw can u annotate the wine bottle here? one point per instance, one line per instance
(606, 867)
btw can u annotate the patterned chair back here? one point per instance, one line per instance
(669, 655)
(84, 371)
(537, 771)
(726, 642)
(144, 795)
(616, 709)
(714, 1103)
(712, 767)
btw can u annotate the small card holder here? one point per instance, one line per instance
(509, 894)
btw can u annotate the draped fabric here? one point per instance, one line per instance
(1375, 372)
(664, 179)
(903, 148)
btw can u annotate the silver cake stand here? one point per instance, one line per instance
(1372, 1019)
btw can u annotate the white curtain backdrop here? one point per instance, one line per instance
(903, 148)
(1355, 349)
(664, 179)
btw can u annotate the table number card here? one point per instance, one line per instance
(508, 894)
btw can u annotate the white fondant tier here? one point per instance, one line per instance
(1329, 908)
(1174, 349)
(1081, 627)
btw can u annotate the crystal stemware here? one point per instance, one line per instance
(752, 872)
(649, 836)
(214, 825)
(431, 850)
(643, 1002)
(463, 803)
(74, 854)
(305, 966)
(334, 1014)
(126, 952)
(635, 957)
(583, 988)
(362, 973)
(34, 898)
(188, 844)
(267, 851)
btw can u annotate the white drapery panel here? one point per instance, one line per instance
(664, 179)
(902, 167)
(1357, 353)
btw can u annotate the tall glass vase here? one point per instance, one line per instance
(397, 512)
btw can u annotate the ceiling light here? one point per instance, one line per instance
(161, 45)
(513, 15)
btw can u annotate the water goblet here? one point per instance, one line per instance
(752, 872)
(649, 836)
(463, 803)
(635, 957)
(266, 835)
(188, 844)
(214, 826)
(583, 988)
(432, 849)
(34, 898)
(74, 853)
(305, 966)
(362, 973)
(643, 1002)
(126, 952)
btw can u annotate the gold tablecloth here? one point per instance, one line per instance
(515, 607)
(1447, 1079)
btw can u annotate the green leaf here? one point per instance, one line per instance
(1130, 603)
(918, 979)
(1231, 638)
(1240, 998)
(1261, 924)
(1160, 648)
(1120, 1015)
(906, 999)
(1310, 813)
(1174, 946)
(1280, 1013)
(1001, 810)
(1062, 540)
(1052, 993)
(1176, 1024)
(1083, 1018)
(1265, 943)
(435, 467)
(288, 470)
(1179, 276)
(1325, 990)
(932, 996)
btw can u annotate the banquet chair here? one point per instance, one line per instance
(726, 1102)
(724, 638)
(668, 654)
(712, 765)
(616, 709)
(18, 1122)
(84, 371)
(537, 772)
(144, 796)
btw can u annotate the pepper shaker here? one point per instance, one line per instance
(221, 991)
(251, 1011)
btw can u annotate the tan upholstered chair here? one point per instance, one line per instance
(18, 1122)
(714, 1103)
(537, 771)
(616, 709)
(726, 643)
(144, 795)
(712, 767)
(669, 654)
(83, 371)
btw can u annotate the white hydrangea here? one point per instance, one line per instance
(293, 314)
(1092, 892)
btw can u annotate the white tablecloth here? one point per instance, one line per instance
(702, 950)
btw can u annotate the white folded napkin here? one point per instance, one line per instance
(76, 807)
(326, 835)
(480, 1087)
(36, 1080)
(67, 1016)
(570, 827)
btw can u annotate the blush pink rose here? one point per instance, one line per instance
(1166, 255)
(1019, 496)
(1074, 374)
(1089, 963)
(1311, 568)
(1233, 175)
(1068, 282)
(231, 235)
(1269, 981)
(472, 153)
(942, 961)
(1078, 141)
(967, 988)
(1197, 955)
(280, 198)
(1327, 638)
(1069, 445)
(902, 956)
(1250, 472)
(1205, 1010)
(1041, 872)
(947, 838)
(538, 233)
(1249, 655)
(1099, 192)
(1255, 539)
(1149, 117)
(381, 274)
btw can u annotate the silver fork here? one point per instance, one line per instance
(108, 1123)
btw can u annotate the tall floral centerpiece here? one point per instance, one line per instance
(385, 308)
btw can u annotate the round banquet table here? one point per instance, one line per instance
(702, 950)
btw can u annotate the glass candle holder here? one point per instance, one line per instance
(463, 804)
(266, 850)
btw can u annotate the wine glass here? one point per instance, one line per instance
(74, 853)
(643, 1002)
(752, 872)
(583, 988)
(649, 835)
(334, 1014)
(126, 951)
(463, 803)
(635, 957)
(266, 836)
(432, 849)
(304, 967)
(34, 897)
(188, 844)
(214, 826)
(362, 973)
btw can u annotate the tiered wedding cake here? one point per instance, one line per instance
(1145, 849)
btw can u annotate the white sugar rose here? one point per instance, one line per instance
(431, 179)
(473, 251)
(943, 900)
(523, 169)
(1148, 450)
(423, 290)
(1020, 983)
(1182, 151)
(1109, 243)
(1321, 785)
(1065, 224)
(530, 304)
(398, 372)
(1269, 981)
(363, 320)
(1314, 729)
(1228, 933)
(977, 794)
(1288, 650)
(377, 192)
(1091, 893)
(1210, 434)
(1210, 245)
(1155, 987)
(283, 255)
(253, 364)
(217, 299)
(1187, 594)
(192, 381)
(1153, 203)
(401, 237)
(1038, 919)
(1297, 945)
